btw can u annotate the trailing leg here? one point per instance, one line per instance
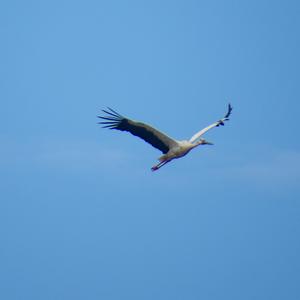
(159, 165)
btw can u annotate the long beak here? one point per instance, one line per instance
(204, 142)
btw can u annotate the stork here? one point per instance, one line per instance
(170, 147)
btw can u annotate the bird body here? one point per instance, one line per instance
(170, 147)
(181, 149)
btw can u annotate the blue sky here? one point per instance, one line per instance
(81, 214)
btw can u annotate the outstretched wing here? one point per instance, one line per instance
(196, 136)
(157, 139)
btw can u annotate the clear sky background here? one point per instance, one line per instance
(81, 214)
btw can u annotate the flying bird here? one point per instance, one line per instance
(170, 147)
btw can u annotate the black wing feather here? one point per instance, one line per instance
(116, 121)
(229, 111)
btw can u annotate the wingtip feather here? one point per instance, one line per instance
(113, 111)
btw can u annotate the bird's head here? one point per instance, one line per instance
(204, 142)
